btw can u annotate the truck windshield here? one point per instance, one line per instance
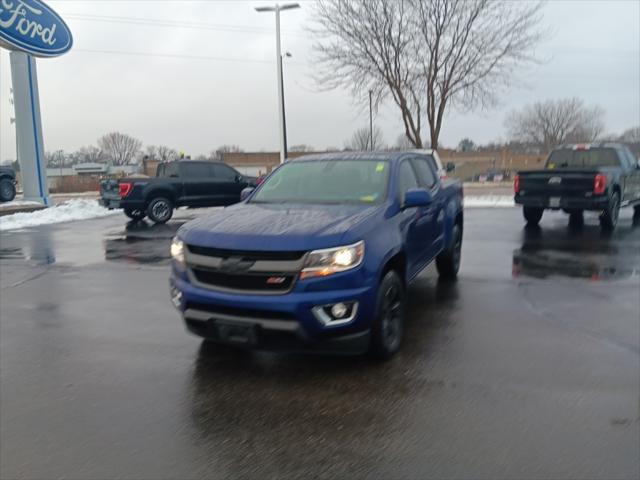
(592, 157)
(326, 182)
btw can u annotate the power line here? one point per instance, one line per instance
(179, 55)
(175, 23)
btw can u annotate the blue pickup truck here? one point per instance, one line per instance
(319, 256)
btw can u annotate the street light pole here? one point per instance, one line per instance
(370, 120)
(284, 110)
(283, 129)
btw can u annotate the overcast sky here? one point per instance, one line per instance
(214, 83)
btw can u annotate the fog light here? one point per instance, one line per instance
(176, 297)
(339, 310)
(336, 314)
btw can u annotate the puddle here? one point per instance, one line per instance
(141, 242)
(579, 253)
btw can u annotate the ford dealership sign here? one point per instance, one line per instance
(32, 27)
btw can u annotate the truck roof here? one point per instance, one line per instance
(375, 155)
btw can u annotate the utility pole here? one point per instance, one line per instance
(370, 120)
(283, 129)
(284, 110)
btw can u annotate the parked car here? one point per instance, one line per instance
(443, 170)
(7, 184)
(319, 256)
(601, 177)
(180, 183)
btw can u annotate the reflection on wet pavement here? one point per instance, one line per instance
(578, 253)
(141, 242)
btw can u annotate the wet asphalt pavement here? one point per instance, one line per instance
(527, 367)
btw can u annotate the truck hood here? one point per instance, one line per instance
(277, 227)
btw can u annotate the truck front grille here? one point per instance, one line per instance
(246, 282)
(258, 272)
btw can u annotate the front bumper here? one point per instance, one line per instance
(276, 322)
(565, 203)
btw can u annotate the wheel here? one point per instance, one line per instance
(576, 219)
(135, 213)
(160, 209)
(609, 216)
(448, 261)
(532, 215)
(388, 324)
(7, 190)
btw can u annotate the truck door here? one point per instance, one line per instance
(414, 222)
(429, 179)
(196, 179)
(632, 186)
(229, 182)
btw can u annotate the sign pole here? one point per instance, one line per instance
(29, 127)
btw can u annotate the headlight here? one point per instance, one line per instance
(321, 263)
(177, 251)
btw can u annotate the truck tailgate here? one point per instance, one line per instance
(110, 190)
(564, 183)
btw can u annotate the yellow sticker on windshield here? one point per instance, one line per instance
(380, 167)
(368, 198)
(551, 166)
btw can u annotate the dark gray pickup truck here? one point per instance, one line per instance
(7, 184)
(187, 183)
(601, 177)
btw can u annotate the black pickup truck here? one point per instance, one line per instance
(7, 184)
(186, 183)
(601, 177)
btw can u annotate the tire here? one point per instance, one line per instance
(388, 324)
(135, 213)
(7, 190)
(576, 219)
(532, 215)
(609, 217)
(448, 261)
(160, 210)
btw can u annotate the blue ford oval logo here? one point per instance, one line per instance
(32, 27)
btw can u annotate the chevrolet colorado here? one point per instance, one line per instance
(319, 256)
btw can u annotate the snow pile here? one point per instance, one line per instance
(77, 209)
(483, 201)
(18, 203)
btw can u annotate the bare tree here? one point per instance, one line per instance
(427, 55)
(55, 159)
(361, 140)
(91, 154)
(161, 153)
(368, 45)
(466, 145)
(166, 154)
(403, 143)
(553, 122)
(218, 152)
(632, 135)
(120, 148)
(301, 148)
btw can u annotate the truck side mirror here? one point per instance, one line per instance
(450, 167)
(417, 197)
(245, 193)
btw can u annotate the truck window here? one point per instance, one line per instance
(195, 170)
(406, 178)
(168, 170)
(591, 157)
(224, 172)
(425, 172)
